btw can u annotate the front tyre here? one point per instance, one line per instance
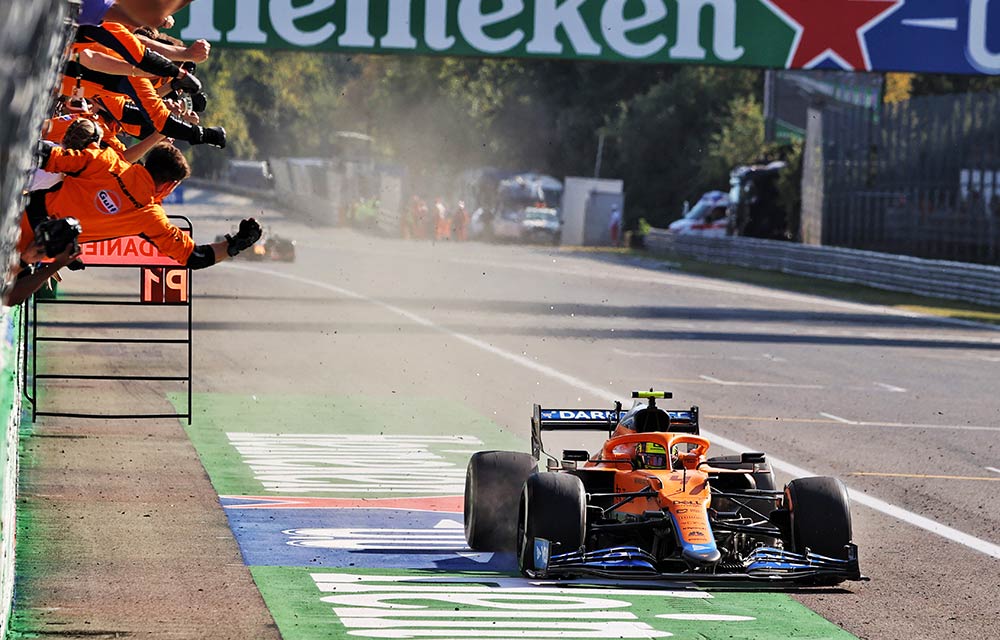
(493, 482)
(820, 515)
(553, 507)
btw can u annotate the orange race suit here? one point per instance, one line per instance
(146, 105)
(112, 199)
(55, 128)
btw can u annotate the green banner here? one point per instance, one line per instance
(942, 36)
(700, 31)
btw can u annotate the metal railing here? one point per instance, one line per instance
(975, 283)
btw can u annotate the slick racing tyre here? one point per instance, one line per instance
(493, 482)
(820, 516)
(553, 507)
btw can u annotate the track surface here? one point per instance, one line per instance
(903, 409)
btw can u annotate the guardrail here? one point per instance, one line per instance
(975, 283)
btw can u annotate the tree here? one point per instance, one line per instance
(663, 138)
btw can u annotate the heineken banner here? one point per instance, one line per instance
(948, 36)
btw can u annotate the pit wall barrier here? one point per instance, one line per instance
(335, 192)
(33, 37)
(10, 417)
(967, 282)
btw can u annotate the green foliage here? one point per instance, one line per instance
(664, 139)
(671, 132)
(272, 104)
(739, 139)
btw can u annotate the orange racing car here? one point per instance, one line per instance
(652, 504)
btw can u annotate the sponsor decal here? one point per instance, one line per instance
(446, 535)
(107, 202)
(871, 35)
(352, 463)
(448, 607)
(576, 414)
(130, 251)
(387, 538)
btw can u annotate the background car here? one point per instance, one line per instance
(707, 218)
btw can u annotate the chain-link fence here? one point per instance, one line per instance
(922, 178)
(33, 35)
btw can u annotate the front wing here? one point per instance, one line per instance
(768, 565)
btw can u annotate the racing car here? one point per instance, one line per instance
(651, 504)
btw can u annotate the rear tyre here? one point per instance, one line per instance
(493, 482)
(820, 516)
(553, 507)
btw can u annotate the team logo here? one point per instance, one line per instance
(107, 202)
(572, 414)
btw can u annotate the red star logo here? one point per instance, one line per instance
(833, 28)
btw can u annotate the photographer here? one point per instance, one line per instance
(55, 239)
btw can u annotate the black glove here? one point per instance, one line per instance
(185, 82)
(76, 265)
(199, 102)
(215, 136)
(248, 234)
(44, 151)
(189, 66)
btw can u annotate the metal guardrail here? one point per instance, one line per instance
(975, 283)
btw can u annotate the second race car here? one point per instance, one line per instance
(652, 504)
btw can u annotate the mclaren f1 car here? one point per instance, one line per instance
(652, 504)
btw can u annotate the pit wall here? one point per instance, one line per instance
(10, 417)
(33, 37)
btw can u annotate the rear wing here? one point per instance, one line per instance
(596, 420)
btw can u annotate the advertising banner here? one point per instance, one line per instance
(950, 36)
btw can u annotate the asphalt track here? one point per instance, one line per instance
(382, 338)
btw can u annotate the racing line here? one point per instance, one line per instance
(881, 506)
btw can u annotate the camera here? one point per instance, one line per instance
(199, 102)
(56, 234)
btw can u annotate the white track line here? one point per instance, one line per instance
(836, 418)
(993, 469)
(890, 387)
(860, 497)
(778, 385)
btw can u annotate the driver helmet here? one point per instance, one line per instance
(651, 456)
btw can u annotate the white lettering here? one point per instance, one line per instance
(472, 23)
(361, 612)
(247, 28)
(364, 583)
(486, 607)
(446, 536)
(398, 35)
(201, 22)
(287, 463)
(688, 46)
(979, 53)
(615, 27)
(548, 17)
(356, 25)
(435, 25)
(540, 600)
(284, 14)
(382, 628)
